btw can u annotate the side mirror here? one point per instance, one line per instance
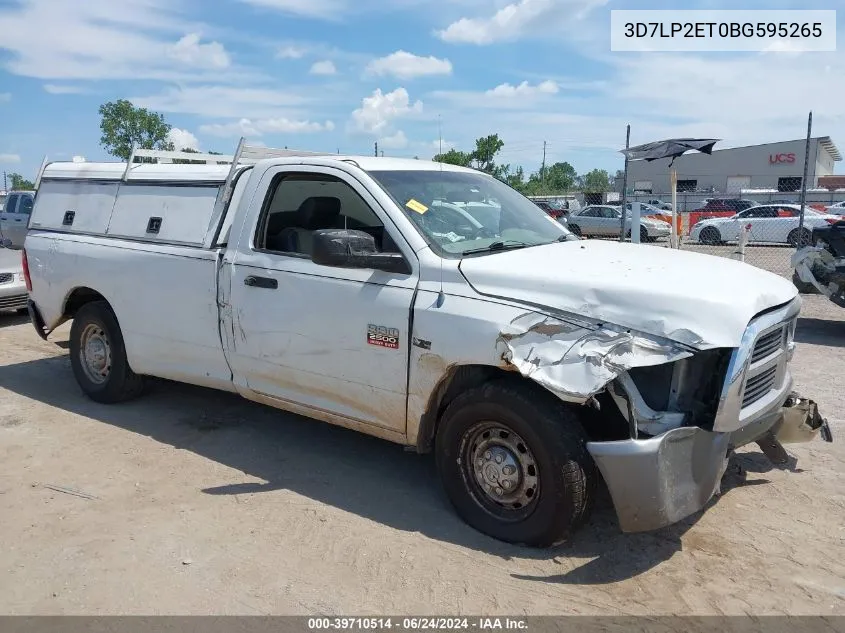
(342, 248)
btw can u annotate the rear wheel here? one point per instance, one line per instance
(800, 236)
(514, 464)
(710, 235)
(98, 356)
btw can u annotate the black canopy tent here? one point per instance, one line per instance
(669, 148)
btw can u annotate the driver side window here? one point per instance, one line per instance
(297, 205)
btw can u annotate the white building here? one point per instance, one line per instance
(778, 166)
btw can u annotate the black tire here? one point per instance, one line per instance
(803, 287)
(554, 444)
(574, 228)
(119, 382)
(644, 238)
(710, 235)
(804, 235)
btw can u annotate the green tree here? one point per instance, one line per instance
(596, 181)
(20, 183)
(485, 152)
(122, 124)
(454, 157)
(560, 177)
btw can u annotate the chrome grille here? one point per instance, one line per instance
(6, 278)
(13, 303)
(759, 386)
(768, 344)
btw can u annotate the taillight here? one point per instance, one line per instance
(555, 213)
(832, 220)
(26, 277)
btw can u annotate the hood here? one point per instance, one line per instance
(700, 300)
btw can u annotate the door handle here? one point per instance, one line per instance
(261, 282)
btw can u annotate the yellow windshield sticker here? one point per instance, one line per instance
(413, 205)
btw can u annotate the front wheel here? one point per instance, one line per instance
(574, 228)
(98, 356)
(644, 238)
(514, 463)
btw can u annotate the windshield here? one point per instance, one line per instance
(459, 213)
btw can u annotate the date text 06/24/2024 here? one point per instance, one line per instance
(416, 624)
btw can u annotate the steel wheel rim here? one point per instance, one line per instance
(95, 353)
(500, 471)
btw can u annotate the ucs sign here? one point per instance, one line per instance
(775, 159)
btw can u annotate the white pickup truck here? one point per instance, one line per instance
(363, 292)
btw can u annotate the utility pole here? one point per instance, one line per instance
(377, 148)
(5, 188)
(803, 198)
(625, 186)
(543, 167)
(439, 135)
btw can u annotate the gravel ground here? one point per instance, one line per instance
(198, 502)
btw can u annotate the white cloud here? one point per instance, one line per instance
(56, 89)
(182, 139)
(290, 52)
(78, 159)
(9, 158)
(377, 111)
(103, 39)
(325, 67)
(218, 102)
(5, 97)
(324, 9)
(259, 127)
(394, 141)
(406, 65)
(190, 51)
(523, 90)
(516, 20)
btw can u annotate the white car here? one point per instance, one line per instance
(605, 220)
(13, 295)
(770, 223)
(836, 209)
(532, 365)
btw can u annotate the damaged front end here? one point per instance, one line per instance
(684, 410)
(821, 268)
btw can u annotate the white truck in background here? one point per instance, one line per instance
(350, 290)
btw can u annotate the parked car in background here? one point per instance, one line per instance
(771, 223)
(553, 209)
(14, 219)
(604, 221)
(836, 209)
(659, 204)
(721, 205)
(820, 266)
(13, 294)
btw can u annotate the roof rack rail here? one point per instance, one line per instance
(244, 155)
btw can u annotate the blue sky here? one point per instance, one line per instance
(332, 75)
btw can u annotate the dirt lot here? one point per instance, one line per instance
(203, 503)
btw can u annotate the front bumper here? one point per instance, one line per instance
(13, 295)
(658, 481)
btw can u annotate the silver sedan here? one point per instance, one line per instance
(604, 221)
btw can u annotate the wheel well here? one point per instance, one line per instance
(601, 424)
(78, 298)
(453, 383)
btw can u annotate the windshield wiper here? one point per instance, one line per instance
(498, 246)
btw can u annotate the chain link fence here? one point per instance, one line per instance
(761, 227)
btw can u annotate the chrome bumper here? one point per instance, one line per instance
(658, 481)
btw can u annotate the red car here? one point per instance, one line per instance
(554, 212)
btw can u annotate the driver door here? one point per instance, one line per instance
(332, 339)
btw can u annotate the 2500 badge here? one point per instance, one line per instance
(383, 336)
